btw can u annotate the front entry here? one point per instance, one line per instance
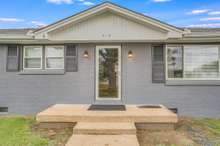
(108, 73)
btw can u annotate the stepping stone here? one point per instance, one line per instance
(103, 140)
(105, 128)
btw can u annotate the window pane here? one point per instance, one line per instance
(32, 62)
(33, 51)
(56, 63)
(175, 62)
(201, 61)
(54, 51)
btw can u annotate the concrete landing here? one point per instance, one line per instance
(80, 113)
(105, 128)
(103, 140)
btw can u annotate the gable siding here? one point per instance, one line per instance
(107, 26)
(29, 94)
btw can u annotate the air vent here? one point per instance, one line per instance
(3, 110)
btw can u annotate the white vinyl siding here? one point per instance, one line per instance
(32, 57)
(54, 57)
(193, 62)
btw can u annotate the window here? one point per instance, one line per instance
(193, 62)
(32, 57)
(43, 57)
(54, 57)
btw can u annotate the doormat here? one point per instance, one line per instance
(149, 106)
(107, 108)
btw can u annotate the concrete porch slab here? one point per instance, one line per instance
(103, 140)
(80, 113)
(105, 128)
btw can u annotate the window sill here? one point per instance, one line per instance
(193, 82)
(42, 72)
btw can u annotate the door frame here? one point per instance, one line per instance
(98, 47)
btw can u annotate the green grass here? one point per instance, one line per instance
(212, 124)
(17, 132)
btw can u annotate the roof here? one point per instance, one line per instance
(203, 32)
(16, 31)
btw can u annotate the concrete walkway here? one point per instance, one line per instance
(103, 140)
(103, 134)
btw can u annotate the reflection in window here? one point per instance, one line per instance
(201, 61)
(108, 73)
(174, 62)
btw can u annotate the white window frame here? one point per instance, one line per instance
(41, 57)
(183, 78)
(45, 57)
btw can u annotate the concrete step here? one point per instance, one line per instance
(103, 140)
(105, 128)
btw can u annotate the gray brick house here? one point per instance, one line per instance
(110, 55)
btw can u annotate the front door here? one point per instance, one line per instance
(108, 73)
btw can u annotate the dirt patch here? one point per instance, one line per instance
(189, 132)
(164, 138)
(199, 131)
(59, 136)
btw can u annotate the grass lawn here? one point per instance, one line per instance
(18, 131)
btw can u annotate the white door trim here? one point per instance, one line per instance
(98, 47)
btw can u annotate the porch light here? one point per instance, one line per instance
(130, 54)
(86, 54)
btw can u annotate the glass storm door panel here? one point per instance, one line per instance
(108, 63)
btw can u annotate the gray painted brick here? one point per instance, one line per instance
(29, 94)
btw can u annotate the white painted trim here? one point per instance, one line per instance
(98, 47)
(188, 79)
(45, 57)
(24, 57)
